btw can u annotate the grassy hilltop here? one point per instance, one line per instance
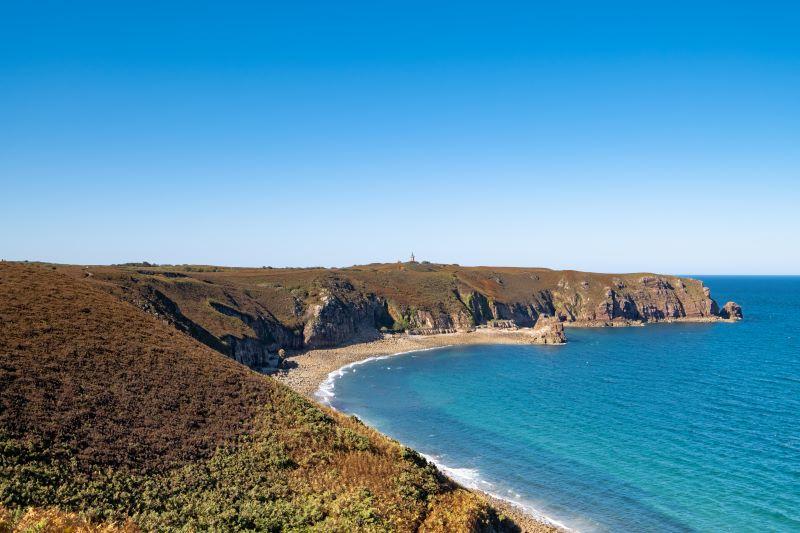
(108, 412)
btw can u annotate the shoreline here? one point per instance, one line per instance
(315, 370)
(308, 370)
(529, 519)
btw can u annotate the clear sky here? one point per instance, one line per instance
(605, 136)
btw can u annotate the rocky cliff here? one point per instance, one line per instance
(250, 314)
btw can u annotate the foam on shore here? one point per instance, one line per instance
(468, 477)
(471, 479)
(325, 393)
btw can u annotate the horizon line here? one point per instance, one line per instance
(323, 267)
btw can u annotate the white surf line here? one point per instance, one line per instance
(471, 478)
(325, 392)
(467, 477)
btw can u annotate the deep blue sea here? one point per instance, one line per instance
(668, 427)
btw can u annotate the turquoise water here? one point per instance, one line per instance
(674, 427)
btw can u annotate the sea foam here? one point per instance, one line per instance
(325, 392)
(468, 477)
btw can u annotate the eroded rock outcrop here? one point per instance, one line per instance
(502, 324)
(437, 320)
(334, 321)
(548, 330)
(731, 311)
(259, 351)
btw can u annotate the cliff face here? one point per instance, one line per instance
(597, 299)
(335, 320)
(249, 314)
(646, 299)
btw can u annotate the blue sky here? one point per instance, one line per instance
(659, 136)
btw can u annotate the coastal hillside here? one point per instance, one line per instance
(110, 415)
(251, 314)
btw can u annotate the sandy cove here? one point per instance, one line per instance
(309, 369)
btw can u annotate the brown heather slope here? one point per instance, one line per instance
(249, 314)
(108, 412)
(116, 386)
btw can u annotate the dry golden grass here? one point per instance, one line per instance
(458, 510)
(35, 520)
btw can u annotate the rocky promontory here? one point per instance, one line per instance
(251, 314)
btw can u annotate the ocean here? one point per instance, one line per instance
(667, 427)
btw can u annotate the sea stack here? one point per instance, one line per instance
(548, 330)
(731, 311)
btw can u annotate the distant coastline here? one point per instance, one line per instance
(255, 315)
